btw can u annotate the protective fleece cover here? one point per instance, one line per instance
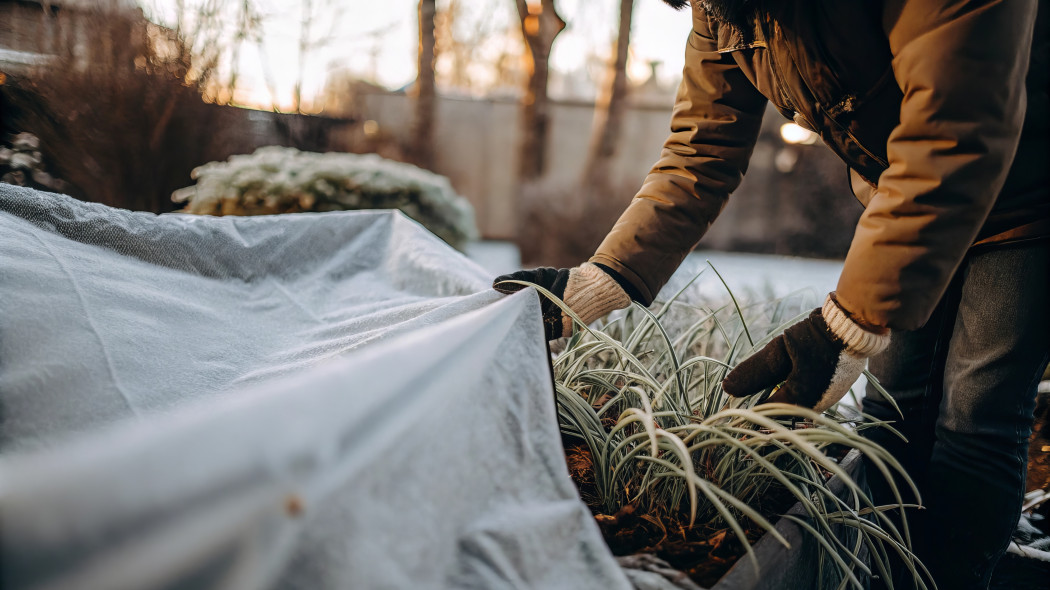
(308, 401)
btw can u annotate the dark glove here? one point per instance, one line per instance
(818, 360)
(586, 289)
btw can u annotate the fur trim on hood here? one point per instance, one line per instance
(733, 12)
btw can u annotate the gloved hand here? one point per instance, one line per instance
(589, 291)
(818, 360)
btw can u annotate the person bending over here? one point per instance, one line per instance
(939, 109)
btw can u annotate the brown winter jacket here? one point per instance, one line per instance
(925, 100)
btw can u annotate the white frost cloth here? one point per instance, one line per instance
(307, 401)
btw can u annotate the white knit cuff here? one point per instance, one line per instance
(591, 293)
(859, 341)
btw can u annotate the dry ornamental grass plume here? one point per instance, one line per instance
(639, 398)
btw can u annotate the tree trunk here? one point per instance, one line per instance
(422, 148)
(540, 25)
(304, 47)
(609, 110)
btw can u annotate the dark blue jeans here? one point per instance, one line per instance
(965, 383)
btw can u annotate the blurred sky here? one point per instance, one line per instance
(376, 40)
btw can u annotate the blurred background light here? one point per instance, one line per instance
(786, 160)
(794, 134)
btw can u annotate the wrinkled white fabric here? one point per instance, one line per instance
(308, 401)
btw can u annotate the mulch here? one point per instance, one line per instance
(1015, 572)
(706, 557)
(1039, 447)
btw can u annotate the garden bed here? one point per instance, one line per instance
(712, 558)
(672, 467)
(797, 567)
(1039, 447)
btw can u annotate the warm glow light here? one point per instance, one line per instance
(792, 133)
(377, 41)
(255, 97)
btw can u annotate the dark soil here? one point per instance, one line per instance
(1014, 572)
(1039, 447)
(704, 554)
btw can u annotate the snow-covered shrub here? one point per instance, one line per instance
(285, 180)
(22, 164)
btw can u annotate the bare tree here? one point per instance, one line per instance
(609, 109)
(213, 32)
(313, 13)
(475, 49)
(422, 150)
(564, 224)
(540, 25)
(305, 46)
(248, 29)
(458, 53)
(119, 109)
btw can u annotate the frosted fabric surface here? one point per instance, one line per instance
(308, 401)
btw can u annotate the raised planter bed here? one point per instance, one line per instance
(637, 410)
(780, 568)
(798, 567)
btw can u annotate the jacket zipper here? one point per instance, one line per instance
(819, 106)
(753, 45)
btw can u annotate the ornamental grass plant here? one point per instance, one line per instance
(654, 443)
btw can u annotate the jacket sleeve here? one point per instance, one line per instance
(714, 127)
(961, 65)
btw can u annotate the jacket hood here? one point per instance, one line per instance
(732, 12)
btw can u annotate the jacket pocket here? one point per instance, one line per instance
(867, 119)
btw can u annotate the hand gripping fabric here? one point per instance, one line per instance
(588, 291)
(817, 360)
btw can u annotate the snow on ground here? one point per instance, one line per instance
(495, 256)
(778, 275)
(763, 274)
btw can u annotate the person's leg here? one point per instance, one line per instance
(998, 352)
(911, 370)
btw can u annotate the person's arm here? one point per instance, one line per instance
(961, 66)
(714, 127)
